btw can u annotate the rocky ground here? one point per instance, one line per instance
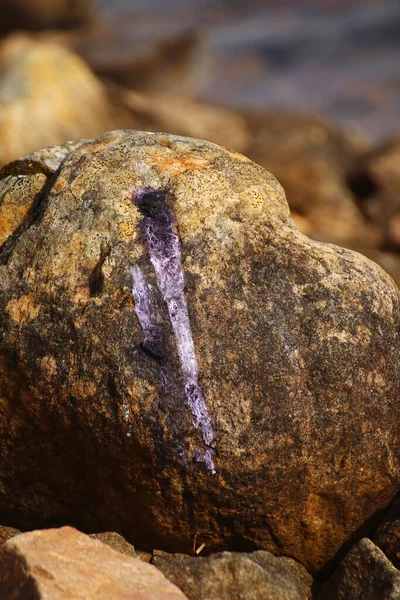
(194, 358)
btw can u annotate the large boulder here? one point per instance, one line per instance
(177, 359)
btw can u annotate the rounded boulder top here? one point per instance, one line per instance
(177, 360)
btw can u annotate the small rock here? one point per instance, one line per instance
(64, 564)
(387, 536)
(364, 573)
(254, 576)
(7, 533)
(143, 555)
(115, 541)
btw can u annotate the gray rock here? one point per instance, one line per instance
(365, 573)
(228, 575)
(115, 541)
(387, 536)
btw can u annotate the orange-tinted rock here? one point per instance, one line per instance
(48, 96)
(64, 564)
(6, 533)
(21, 183)
(294, 359)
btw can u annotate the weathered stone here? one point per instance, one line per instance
(265, 559)
(47, 96)
(64, 564)
(7, 533)
(233, 575)
(21, 183)
(364, 573)
(115, 541)
(283, 351)
(143, 555)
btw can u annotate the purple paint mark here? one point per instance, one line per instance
(165, 255)
(152, 338)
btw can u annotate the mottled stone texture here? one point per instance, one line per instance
(6, 533)
(233, 575)
(296, 344)
(364, 574)
(387, 536)
(64, 564)
(115, 541)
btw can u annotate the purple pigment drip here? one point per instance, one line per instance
(152, 338)
(165, 255)
(141, 294)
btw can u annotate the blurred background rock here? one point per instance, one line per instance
(310, 90)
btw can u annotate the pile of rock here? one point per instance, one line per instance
(65, 563)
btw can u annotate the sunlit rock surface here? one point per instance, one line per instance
(295, 342)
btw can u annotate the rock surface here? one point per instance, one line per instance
(115, 541)
(254, 576)
(387, 536)
(7, 533)
(21, 183)
(364, 573)
(44, 84)
(283, 351)
(64, 564)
